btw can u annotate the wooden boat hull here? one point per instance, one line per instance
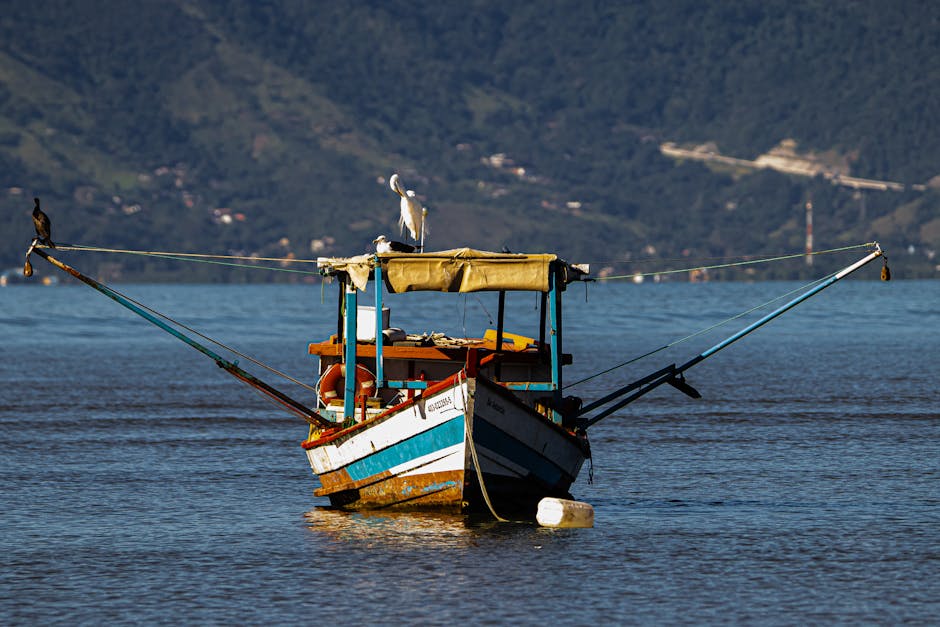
(420, 454)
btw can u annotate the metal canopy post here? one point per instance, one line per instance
(543, 297)
(379, 323)
(555, 339)
(340, 314)
(349, 392)
(500, 317)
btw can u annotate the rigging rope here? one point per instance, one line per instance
(198, 257)
(216, 342)
(214, 259)
(700, 332)
(736, 263)
(193, 255)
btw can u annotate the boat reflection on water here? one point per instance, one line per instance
(389, 528)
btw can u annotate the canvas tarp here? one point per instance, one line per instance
(458, 270)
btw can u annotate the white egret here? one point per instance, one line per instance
(412, 216)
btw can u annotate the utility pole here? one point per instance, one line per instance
(809, 231)
(861, 197)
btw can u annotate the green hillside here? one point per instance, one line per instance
(271, 128)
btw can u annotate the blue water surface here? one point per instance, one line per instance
(140, 483)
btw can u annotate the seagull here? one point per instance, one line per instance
(412, 215)
(43, 226)
(384, 245)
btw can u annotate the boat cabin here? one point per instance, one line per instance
(392, 367)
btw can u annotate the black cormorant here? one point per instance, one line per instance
(43, 226)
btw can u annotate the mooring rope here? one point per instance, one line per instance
(468, 428)
(735, 263)
(700, 332)
(214, 341)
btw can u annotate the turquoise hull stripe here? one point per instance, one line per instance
(440, 437)
(487, 436)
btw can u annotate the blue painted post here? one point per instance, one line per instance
(554, 315)
(349, 393)
(379, 338)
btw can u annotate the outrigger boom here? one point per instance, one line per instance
(462, 423)
(287, 402)
(673, 374)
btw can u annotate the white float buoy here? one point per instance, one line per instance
(564, 513)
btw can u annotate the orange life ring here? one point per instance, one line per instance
(330, 388)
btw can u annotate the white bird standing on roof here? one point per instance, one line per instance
(412, 214)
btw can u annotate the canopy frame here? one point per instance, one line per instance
(461, 271)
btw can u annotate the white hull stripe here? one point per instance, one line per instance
(449, 459)
(405, 452)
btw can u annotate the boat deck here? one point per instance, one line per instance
(435, 351)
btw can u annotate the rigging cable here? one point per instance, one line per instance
(733, 264)
(214, 259)
(723, 322)
(199, 258)
(216, 342)
(700, 332)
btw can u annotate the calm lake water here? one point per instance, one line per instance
(139, 483)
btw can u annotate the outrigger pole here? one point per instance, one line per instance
(673, 375)
(290, 404)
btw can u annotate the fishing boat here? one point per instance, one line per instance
(462, 424)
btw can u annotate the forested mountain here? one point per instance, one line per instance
(271, 128)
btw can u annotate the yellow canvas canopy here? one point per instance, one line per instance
(457, 270)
